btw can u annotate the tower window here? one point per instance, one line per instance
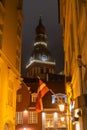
(47, 70)
(41, 70)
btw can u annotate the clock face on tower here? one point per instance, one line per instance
(44, 57)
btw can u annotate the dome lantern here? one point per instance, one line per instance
(40, 32)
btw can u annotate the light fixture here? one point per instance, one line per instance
(62, 118)
(61, 107)
(25, 112)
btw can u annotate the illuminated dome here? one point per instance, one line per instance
(41, 52)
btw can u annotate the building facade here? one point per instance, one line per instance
(73, 17)
(50, 118)
(11, 18)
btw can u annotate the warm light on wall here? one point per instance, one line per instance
(25, 112)
(24, 129)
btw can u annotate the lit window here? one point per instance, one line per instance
(33, 97)
(61, 121)
(77, 126)
(53, 99)
(59, 98)
(49, 121)
(33, 117)
(19, 118)
(19, 98)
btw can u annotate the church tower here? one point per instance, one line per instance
(41, 61)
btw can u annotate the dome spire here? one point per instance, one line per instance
(40, 32)
(40, 20)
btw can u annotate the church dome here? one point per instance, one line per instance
(41, 53)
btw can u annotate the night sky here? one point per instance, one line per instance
(48, 10)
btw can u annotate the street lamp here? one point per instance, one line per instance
(62, 110)
(61, 107)
(60, 100)
(62, 118)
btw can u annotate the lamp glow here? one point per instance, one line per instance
(24, 129)
(62, 118)
(61, 107)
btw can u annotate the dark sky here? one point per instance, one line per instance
(48, 10)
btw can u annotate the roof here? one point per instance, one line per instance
(56, 83)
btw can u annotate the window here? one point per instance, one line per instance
(41, 70)
(59, 98)
(19, 98)
(49, 122)
(77, 126)
(33, 97)
(19, 117)
(53, 99)
(47, 70)
(33, 117)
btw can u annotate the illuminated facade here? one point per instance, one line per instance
(40, 62)
(73, 17)
(10, 60)
(50, 118)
